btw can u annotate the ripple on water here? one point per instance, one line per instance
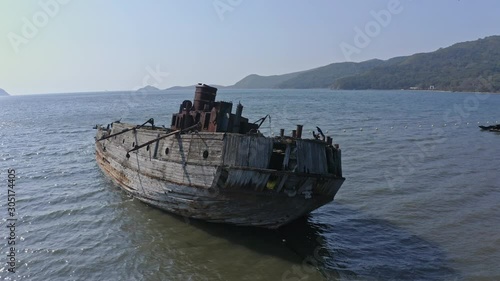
(438, 222)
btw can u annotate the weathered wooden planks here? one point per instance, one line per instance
(218, 177)
(247, 150)
(311, 157)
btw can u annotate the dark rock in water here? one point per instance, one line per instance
(492, 128)
(3, 92)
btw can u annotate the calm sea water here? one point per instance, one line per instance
(421, 200)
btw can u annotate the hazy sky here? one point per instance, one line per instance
(52, 46)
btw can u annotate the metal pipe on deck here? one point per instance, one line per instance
(237, 118)
(299, 131)
(282, 132)
(150, 121)
(196, 126)
(294, 133)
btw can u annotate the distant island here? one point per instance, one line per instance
(191, 87)
(3, 93)
(148, 89)
(468, 66)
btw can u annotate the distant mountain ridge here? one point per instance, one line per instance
(3, 92)
(191, 87)
(466, 66)
(254, 81)
(148, 88)
(321, 77)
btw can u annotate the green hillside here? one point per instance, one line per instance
(255, 81)
(468, 66)
(323, 77)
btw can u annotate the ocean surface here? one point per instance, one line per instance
(421, 200)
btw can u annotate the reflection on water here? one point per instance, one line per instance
(169, 243)
(346, 244)
(336, 243)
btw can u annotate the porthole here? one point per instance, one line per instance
(123, 141)
(166, 151)
(147, 148)
(205, 154)
(133, 144)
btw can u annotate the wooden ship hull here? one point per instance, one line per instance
(217, 170)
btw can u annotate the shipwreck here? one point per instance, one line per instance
(215, 165)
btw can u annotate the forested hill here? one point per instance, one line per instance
(321, 77)
(254, 81)
(467, 66)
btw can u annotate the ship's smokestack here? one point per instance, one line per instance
(204, 95)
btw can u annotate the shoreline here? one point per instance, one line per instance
(429, 91)
(243, 89)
